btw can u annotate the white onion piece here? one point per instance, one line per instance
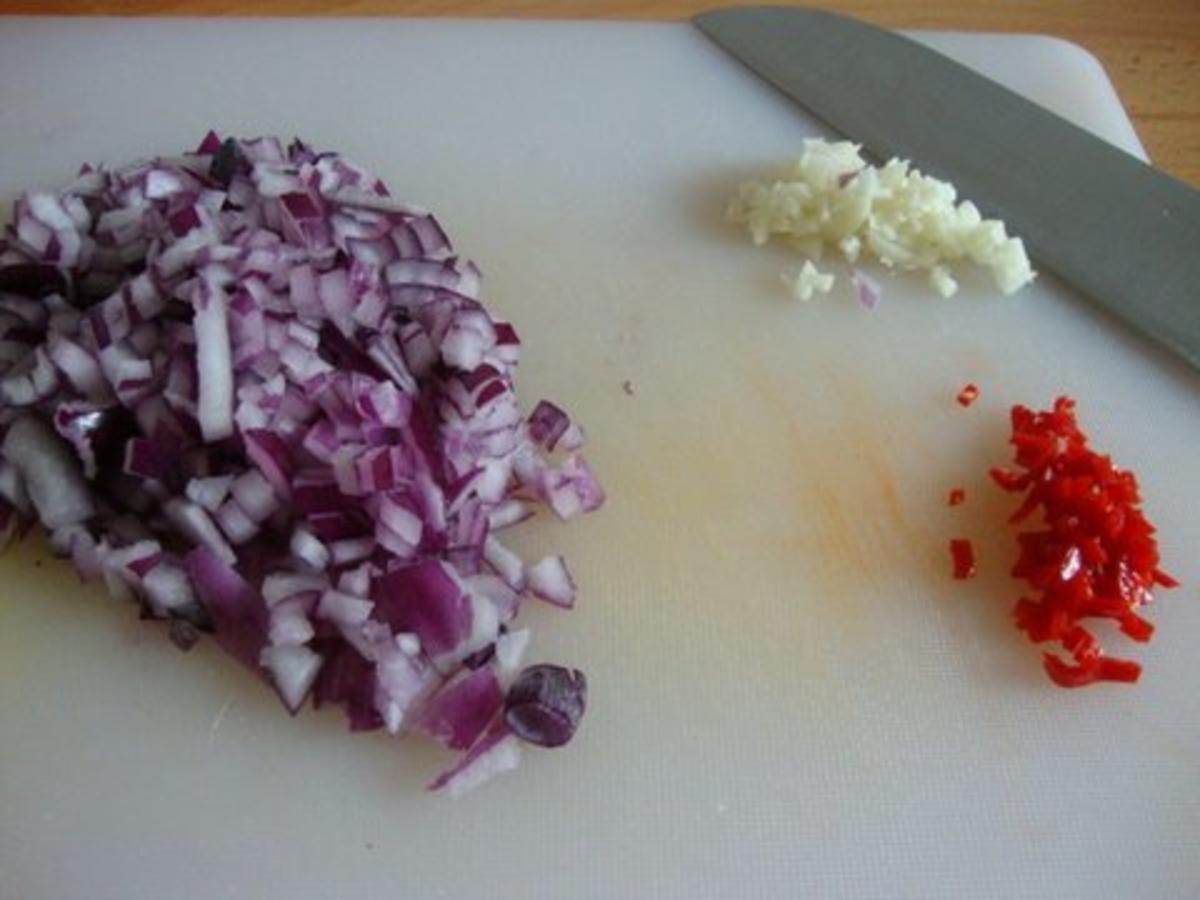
(401, 683)
(502, 756)
(508, 513)
(289, 622)
(167, 588)
(194, 524)
(504, 598)
(485, 626)
(342, 609)
(209, 493)
(308, 549)
(507, 564)
(79, 367)
(510, 650)
(550, 580)
(50, 474)
(351, 550)
(237, 526)
(294, 670)
(254, 495)
(214, 363)
(355, 581)
(279, 586)
(401, 520)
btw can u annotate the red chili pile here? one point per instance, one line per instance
(1094, 557)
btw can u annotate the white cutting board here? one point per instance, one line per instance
(789, 696)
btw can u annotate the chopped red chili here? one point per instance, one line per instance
(967, 395)
(1103, 668)
(957, 497)
(1094, 555)
(963, 555)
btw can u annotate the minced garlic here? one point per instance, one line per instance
(831, 197)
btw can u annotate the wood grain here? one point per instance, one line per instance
(1150, 48)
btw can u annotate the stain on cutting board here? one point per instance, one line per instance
(851, 517)
(761, 526)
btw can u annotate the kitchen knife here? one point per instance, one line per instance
(1119, 230)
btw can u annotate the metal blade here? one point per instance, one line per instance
(1119, 230)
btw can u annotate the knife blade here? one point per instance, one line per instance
(1122, 232)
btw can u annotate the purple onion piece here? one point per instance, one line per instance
(462, 708)
(867, 288)
(210, 145)
(426, 599)
(347, 678)
(545, 704)
(238, 613)
(547, 424)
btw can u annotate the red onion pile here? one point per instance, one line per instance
(262, 399)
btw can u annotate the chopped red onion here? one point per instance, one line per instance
(209, 493)
(256, 395)
(294, 670)
(550, 580)
(239, 616)
(345, 610)
(307, 549)
(351, 550)
(506, 564)
(507, 513)
(549, 425)
(215, 401)
(403, 681)
(279, 586)
(867, 288)
(545, 704)
(289, 623)
(427, 599)
(498, 750)
(461, 709)
(168, 589)
(49, 474)
(510, 650)
(496, 591)
(356, 581)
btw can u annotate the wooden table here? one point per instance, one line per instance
(1150, 48)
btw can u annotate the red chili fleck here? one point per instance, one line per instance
(957, 497)
(1009, 480)
(963, 555)
(1093, 555)
(1164, 580)
(1103, 668)
(967, 395)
